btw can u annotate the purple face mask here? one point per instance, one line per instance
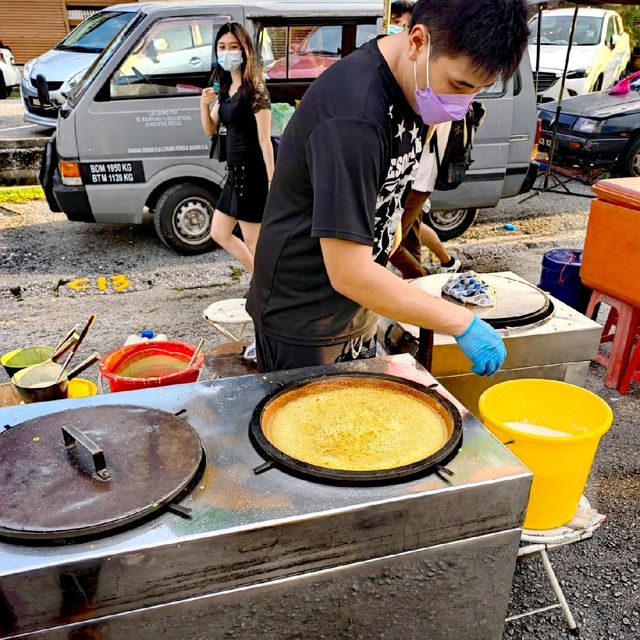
(437, 108)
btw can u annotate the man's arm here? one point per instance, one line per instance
(355, 275)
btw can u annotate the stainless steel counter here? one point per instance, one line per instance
(261, 538)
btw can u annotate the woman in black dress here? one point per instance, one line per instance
(243, 106)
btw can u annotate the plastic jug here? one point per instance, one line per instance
(145, 336)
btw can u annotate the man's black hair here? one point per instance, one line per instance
(400, 7)
(493, 33)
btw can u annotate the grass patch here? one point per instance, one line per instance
(19, 195)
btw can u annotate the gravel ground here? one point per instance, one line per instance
(41, 253)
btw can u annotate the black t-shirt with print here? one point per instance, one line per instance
(344, 168)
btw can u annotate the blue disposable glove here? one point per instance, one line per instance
(482, 344)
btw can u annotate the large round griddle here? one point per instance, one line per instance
(297, 467)
(85, 471)
(518, 303)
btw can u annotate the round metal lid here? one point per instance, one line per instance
(518, 303)
(85, 471)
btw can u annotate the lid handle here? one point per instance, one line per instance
(73, 436)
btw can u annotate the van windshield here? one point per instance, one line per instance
(96, 32)
(134, 19)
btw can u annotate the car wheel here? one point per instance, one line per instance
(630, 165)
(598, 84)
(5, 91)
(183, 216)
(450, 224)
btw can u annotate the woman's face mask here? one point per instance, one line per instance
(395, 28)
(230, 60)
(436, 108)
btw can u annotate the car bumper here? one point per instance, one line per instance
(46, 116)
(583, 149)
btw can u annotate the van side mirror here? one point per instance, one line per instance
(614, 41)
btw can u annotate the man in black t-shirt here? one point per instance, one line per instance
(343, 170)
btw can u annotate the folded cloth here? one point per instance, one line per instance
(250, 352)
(469, 288)
(585, 518)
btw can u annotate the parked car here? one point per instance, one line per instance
(9, 73)
(317, 52)
(66, 63)
(600, 52)
(597, 129)
(129, 137)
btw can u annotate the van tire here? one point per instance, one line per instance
(450, 224)
(630, 161)
(183, 215)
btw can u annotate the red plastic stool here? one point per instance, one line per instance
(626, 319)
(632, 374)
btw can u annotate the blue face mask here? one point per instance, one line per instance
(394, 29)
(230, 60)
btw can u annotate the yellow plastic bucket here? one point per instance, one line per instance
(561, 462)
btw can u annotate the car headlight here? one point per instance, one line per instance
(578, 73)
(70, 84)
(586, 125)
(26, 70)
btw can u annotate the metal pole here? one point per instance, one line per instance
(386, 16)
(538, 48)
(554, 134)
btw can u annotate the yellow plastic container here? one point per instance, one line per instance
(560, 465)
(81, 388)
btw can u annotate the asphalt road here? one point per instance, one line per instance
(12, 124)
(54, 274)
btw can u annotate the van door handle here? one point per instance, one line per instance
(195, 62)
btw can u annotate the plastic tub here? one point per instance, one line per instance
(150, 364)
(560, 465)
(561, 278)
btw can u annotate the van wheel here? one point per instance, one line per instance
(183, 217)
(630, 162)
(450, 224)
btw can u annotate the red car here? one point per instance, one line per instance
(317, 52)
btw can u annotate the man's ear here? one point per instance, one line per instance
(418, 39)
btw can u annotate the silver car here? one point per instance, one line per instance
(64, 65)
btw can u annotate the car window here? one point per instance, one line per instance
(610, 31)
(325, 41)
(364, 33)
(496, 90)
(173, 58)
(555, 30)
(303, 52)
(617, 26)
(97, 31)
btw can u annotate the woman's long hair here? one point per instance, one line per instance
(252, 75)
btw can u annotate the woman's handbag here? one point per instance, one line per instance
(218, 150)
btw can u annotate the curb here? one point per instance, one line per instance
(20, 160)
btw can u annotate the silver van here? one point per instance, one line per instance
(129, 138)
